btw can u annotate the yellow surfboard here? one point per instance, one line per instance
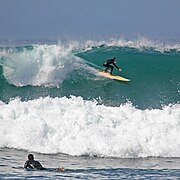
(108, 75)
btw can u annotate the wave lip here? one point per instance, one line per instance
(78, 127)
(139, 43)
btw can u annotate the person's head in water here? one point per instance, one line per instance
(30, 157)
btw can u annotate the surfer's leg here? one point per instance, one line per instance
(111, 69)
(106, 69)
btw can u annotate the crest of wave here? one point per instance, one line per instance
(139, 43)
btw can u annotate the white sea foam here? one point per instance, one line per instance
(78, 127)
(43, 65)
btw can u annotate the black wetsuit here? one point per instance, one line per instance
(107, 64)
(33, 165)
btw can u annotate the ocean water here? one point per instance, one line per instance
(54, 103)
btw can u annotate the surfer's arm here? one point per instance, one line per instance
(25, 165)
(117, 67)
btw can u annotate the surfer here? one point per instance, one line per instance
(32, 164)
(108, 66)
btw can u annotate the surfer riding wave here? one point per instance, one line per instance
(108, 65)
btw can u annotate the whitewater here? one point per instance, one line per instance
(77, 127)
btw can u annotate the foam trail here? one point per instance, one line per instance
(78, 127)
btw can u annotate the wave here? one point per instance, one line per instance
(38, 65)
(79, 127)
(69, 68)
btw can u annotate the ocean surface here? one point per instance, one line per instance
(55, 104)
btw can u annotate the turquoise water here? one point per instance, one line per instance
(54, 103)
